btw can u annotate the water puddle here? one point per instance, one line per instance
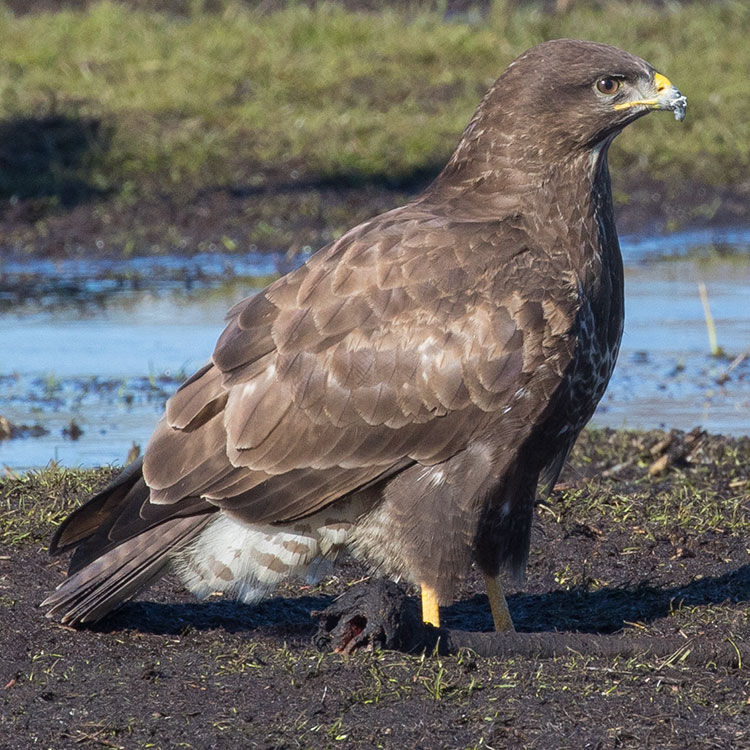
(98, 346)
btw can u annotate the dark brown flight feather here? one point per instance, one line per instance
(410, 383)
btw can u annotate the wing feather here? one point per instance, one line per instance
(393, 346)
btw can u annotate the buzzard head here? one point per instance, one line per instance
(565, 95)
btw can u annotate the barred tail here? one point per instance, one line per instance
(122, 544)
(121, 573)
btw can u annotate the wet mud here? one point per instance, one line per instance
(621, 552)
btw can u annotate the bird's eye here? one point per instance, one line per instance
(608, 86)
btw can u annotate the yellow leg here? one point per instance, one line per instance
(430, 612)
(499, 607)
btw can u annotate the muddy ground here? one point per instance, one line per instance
(645, 535)
(305, 212)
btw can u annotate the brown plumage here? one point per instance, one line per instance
(403, 392)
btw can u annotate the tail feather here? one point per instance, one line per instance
(119, 574)
(85, 521)
(121, 544)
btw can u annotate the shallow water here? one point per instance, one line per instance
(104, 343)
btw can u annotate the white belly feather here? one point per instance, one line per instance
(247, 561)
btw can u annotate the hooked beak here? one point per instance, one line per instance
(665, 96)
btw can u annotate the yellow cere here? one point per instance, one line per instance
(661, 82)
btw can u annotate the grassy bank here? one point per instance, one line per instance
(115, 106)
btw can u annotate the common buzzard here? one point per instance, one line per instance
(405, 392)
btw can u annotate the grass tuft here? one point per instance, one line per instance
(33, 504)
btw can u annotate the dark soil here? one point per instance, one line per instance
(282, 214)
(304, 212)
(644, 540)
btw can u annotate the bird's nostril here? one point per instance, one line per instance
(661, 82)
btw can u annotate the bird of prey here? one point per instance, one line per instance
(405, 392)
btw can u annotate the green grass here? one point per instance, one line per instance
(172, 103)
(33, 504)
(708, 493)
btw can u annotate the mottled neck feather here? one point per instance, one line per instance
(511, 160)
(493, 175)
